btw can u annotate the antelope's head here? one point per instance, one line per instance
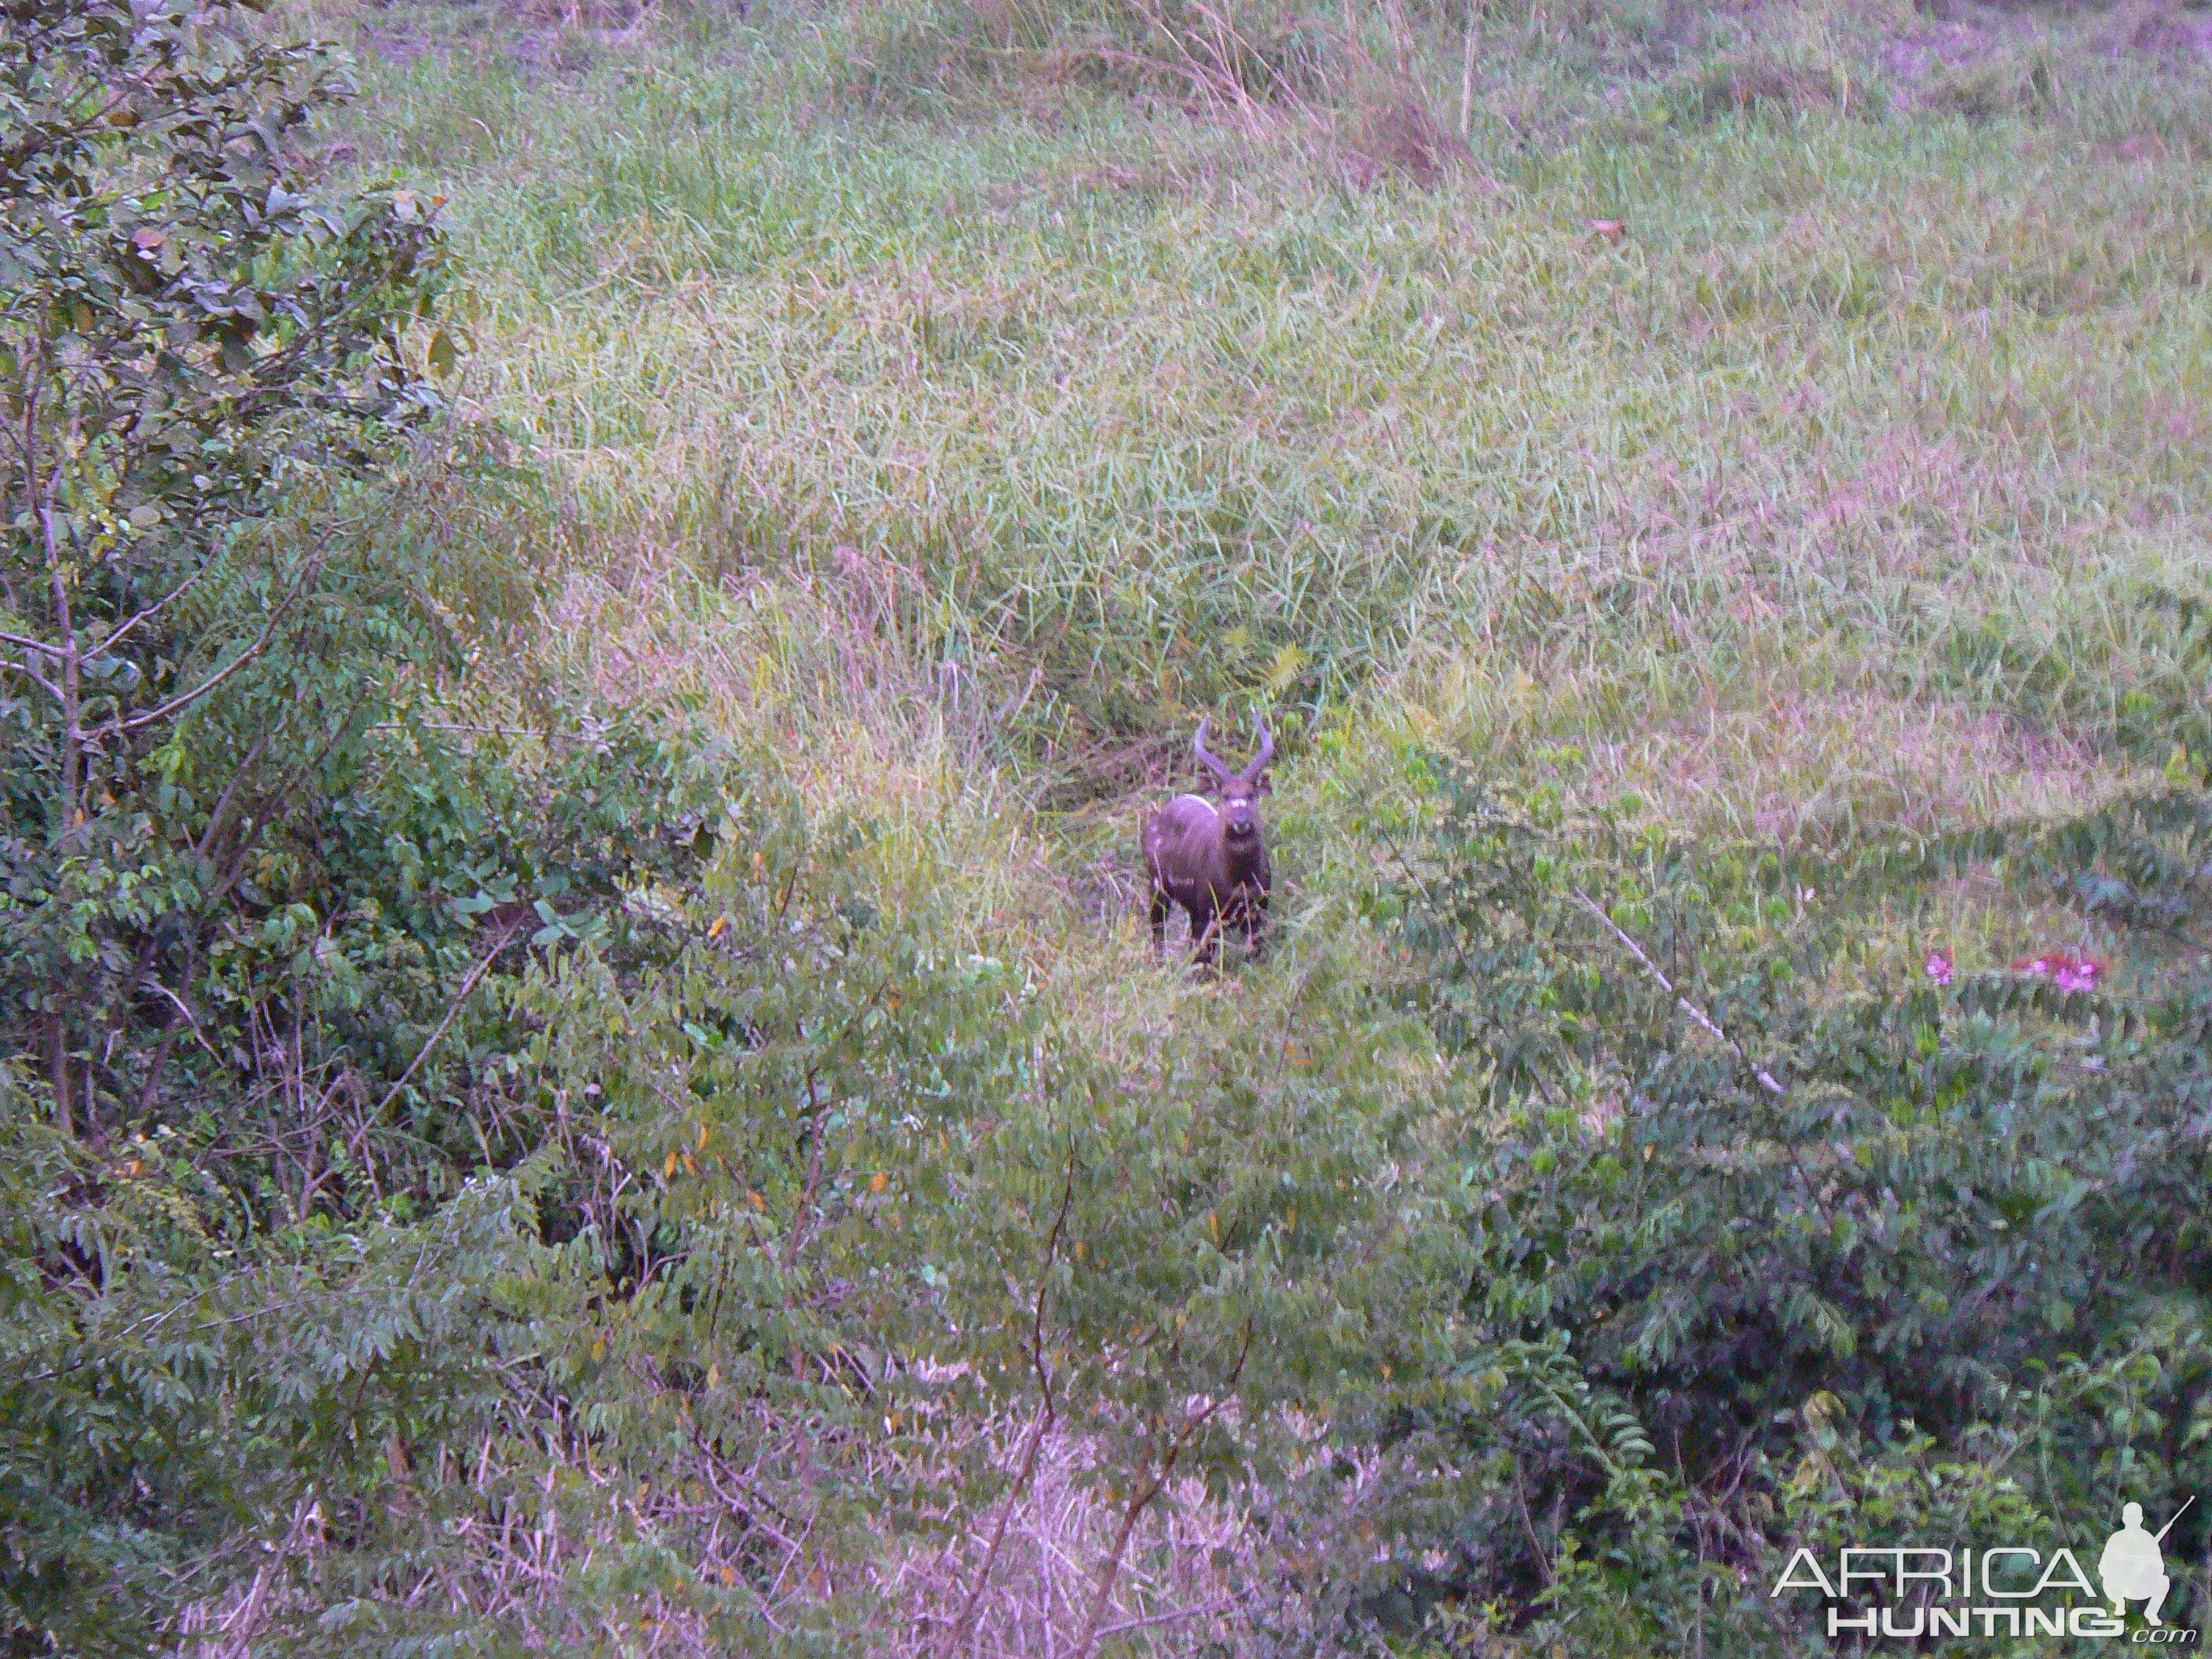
(1240, 790)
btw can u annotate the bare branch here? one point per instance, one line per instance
(71, 658)
(147, 717)
(34, 677)
(115, 635)
(217, 817)
(1765, 1079)
(459, 997)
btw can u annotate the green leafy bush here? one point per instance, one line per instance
(1773, 1255)
(254, 883)
(191, 345)
(853, 1188)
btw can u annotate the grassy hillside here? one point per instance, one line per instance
(1802, 509)
(1713, 504)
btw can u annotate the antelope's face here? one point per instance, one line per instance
(1240, 790)
(1240, 802)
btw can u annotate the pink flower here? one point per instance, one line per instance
(2079, 974)
(2063, 968)
(1938, 966)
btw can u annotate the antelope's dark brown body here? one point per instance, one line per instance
(1213, 860)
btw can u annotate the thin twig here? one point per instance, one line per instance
(459, 997)
(1527, 1525)
(162, 711)
(1765, 1079)
(187, 1011)
(114, 634)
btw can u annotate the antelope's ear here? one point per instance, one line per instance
(1267, 783)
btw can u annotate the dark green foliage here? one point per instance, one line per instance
(1774, 1256)
(190, 342)
(254, 886)
(173, 1393)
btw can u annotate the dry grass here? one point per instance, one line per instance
(1202, 1573)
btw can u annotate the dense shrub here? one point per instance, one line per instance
(249, 875)
(1772, 1255)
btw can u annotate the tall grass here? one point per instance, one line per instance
(1162, 411)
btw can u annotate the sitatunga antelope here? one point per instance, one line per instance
(1213, 861)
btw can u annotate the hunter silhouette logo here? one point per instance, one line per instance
(2132, 1566)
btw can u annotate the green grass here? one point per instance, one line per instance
(1822, 505)
(958, 412)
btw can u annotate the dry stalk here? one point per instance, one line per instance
(1766, 1077)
